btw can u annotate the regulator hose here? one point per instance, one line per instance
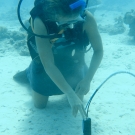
(32, 33)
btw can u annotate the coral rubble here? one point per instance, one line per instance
(129, 19)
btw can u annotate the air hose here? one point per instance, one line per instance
(87, 122)
(34, 34)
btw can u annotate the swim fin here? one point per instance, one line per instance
(21, 77)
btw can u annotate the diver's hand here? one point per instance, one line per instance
(76, 104)
(82, 87)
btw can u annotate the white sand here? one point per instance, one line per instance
(112, 110)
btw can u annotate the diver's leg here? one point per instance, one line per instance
(40, 101)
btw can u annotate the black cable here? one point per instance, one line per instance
(120, 72)
(42, 36)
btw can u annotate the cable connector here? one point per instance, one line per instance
(87, 126)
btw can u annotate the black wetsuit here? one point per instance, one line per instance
(69, 53)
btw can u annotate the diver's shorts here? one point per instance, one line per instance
(41, 82)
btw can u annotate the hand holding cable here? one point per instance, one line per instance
(76, 104)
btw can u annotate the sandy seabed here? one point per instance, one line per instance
(112, 110)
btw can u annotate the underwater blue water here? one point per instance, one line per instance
(9, 7)
(8, 19)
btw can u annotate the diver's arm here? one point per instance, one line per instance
(47, 59)
(90, 27)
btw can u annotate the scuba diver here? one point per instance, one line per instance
(58, 63)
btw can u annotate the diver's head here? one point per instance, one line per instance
(62, 10)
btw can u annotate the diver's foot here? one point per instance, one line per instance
(21, 77)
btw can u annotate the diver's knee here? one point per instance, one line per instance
(40, 106)
(40, 101)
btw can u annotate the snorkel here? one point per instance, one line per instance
(72, 6)
(78, 4)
